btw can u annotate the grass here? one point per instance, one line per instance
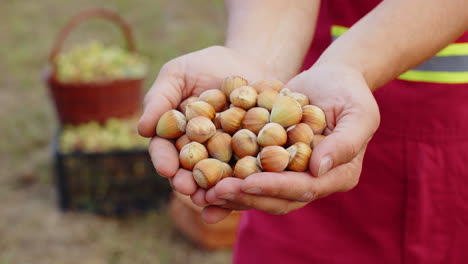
(32, 229)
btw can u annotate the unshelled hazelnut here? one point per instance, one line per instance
(231, 119)
(300, 133)
(244, 97)
(183, 105)
(273, 159)
(302, 99)
(244, 143)
(231, 83)
(172, 124)
(299, 156)
(267, 98)
(219, 146)
(255, 119)
(191, 154)
(263, 85)
(181, 142)
(227, 171)
(200, 108)
(200, 129)
(216, 98)
(272, 134)
(208, 172)
(317, 139)
(315, 118)
(217, 121)
(245, 167)
(286, 112)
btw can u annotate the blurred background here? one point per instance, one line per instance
(46, 164)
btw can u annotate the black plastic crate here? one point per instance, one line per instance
(109, 183)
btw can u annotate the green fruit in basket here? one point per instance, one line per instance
(94, 62)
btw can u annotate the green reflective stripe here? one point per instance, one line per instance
(454, 49)
(435, 77)
(337, 31)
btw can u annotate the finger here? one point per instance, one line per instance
(297, 186)
(230, 189)
(302, 187)
(198, 198)
(354, 128)
(214, 214)
(184, 183)
(165, 94)
(235, 207)
(165, 162)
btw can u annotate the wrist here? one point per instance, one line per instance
(266, 64)
(343, 67)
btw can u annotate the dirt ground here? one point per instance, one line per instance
(32, 229)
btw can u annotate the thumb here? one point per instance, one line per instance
(353, 131)
(164, 95)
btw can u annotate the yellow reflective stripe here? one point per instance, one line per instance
(435, 77)
(337, 31)
(454, 49)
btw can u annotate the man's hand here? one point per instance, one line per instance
(352, 118)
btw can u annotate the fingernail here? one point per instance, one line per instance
(219, 202)
(325, 165)
(228, 196)
(306, 197)
(254, 190)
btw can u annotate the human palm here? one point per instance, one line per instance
(181, 78)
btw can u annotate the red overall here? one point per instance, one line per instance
(411, 204)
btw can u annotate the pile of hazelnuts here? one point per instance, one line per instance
(239, 130)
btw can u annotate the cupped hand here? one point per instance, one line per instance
(181, 78)
(352, 118)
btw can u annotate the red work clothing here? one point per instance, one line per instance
(411, 204)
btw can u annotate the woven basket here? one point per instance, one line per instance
(187, 218)
(81, 102)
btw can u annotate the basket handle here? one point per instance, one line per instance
(85, 15)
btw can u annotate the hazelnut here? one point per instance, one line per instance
(245, 167)
(208, 172)
(244, 97)
(231, 83)
(181, 142)
(215, 98)
(255, 119)
(272, 134)
(191, 154)
(200, 129)
(315, 118)
(300, 133)
(200, 108)
(273, 159)
(263, 85)
(267, 98)
(227, 171)
(219, 146)
(217, 121)
(231, 119)
(244, 143)
(183, 105)
(286, 112)
(171, 124)
(317, 139)
(302, 99)
(299, 156)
